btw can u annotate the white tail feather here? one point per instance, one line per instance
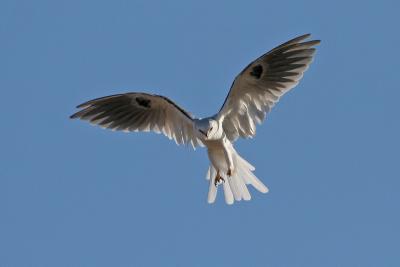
(243, 188)
(235, 186)
(208, 175)
(212, 191)
(228, 194)
(237, 194)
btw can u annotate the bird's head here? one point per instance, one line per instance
(208, 127)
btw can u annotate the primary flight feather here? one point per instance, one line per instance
(252, 95)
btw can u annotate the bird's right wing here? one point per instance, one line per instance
(133, 112)
(260, 85)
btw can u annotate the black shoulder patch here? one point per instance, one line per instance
(257, 71)
(143, 102)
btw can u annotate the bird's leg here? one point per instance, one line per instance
(228, 156)
(218, 179)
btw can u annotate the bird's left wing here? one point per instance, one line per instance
(133, 112)
(260, 85)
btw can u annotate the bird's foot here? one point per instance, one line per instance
(218, 180)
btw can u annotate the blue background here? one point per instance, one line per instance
(76, 195)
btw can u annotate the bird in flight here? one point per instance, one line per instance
(252, 95)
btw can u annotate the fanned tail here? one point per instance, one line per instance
(235, 186)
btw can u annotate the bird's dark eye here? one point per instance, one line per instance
(211, 129)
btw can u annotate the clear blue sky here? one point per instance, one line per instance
(76, 195)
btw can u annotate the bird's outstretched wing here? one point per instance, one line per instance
(140, 112)
(260, 85)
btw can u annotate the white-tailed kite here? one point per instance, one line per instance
(252, 95)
